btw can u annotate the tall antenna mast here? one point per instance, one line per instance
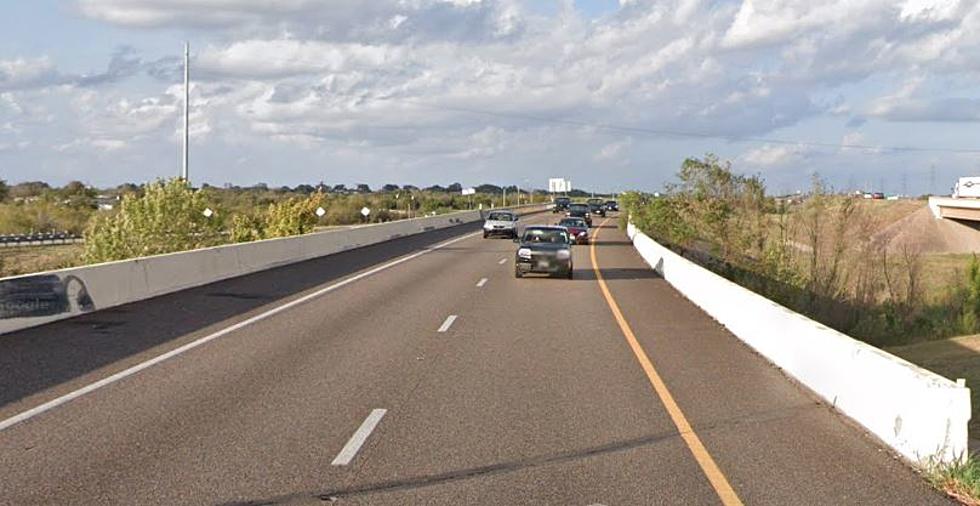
(187, 111)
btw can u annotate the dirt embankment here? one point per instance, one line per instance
(922, 232)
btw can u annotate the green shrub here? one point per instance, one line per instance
(294, 216)
(168, 217)
(246, 228)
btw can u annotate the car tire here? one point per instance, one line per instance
(517, 273)
(570, 273)
(485, 234)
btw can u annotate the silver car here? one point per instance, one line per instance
(500, 223)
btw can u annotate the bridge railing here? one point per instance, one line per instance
(39, 239)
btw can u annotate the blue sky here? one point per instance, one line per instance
(501, 91)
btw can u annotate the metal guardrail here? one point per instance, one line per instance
(44, 239)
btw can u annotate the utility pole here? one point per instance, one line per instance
(187, 112)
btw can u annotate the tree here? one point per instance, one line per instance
(75, 188)
(29, 189)
(339, 188)
(390, 188)
(127, 188)
(488, 188)
(4, 190)
(167, 217)
(306, 189)
(294, 216)
(410, 188)
(435, 188)
(454, 188)
(363, 188)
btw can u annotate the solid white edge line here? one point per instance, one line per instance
(58, 401)
(350, 450)
(448, 323)
(483, 281)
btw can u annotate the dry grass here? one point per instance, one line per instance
(16, 261)
(941, 271)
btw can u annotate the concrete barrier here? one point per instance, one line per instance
(36, 299)
(918, 413)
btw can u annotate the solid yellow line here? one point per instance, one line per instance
(718, 481)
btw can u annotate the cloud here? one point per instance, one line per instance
(39, 73)
(24, 73)
(769, 156)
(432, 83)
(951, 109)
(614, 151)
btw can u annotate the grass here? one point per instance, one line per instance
(959, 481)
(25, 260)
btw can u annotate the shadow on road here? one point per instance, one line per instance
(36, 359)
(616, 273)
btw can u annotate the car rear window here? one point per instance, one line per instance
(545, 235)
(501, 217)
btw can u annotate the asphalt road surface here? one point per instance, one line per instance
(422, 372)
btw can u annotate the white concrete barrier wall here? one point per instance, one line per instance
(35, 299)
(920, 414)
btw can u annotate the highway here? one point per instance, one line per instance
(420, 371)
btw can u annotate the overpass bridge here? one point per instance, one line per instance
(418, 370)
(966, 209)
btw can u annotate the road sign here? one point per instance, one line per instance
(559, 184)
(320, 212)
(469, 191)
(365, 212)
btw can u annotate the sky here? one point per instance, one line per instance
(613, 95)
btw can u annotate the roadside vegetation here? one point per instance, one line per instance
(817, 254)
(959, 481)
(168, 216)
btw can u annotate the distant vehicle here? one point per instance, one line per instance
(597, 207)
(500, 223)
(546, 250)
(612, 205)
(580, 211)
(967, 187)
(577, 228)
(878, 196)
(561, 204)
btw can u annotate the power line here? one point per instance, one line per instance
(688, 134)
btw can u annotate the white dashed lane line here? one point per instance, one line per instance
(448, 323)
(479, 284)
(350, 450)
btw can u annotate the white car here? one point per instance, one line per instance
(500, 223)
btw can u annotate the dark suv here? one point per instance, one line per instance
(580, 211)
(597, 207)
(561, 204)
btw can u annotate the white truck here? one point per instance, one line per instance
(967, 187)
